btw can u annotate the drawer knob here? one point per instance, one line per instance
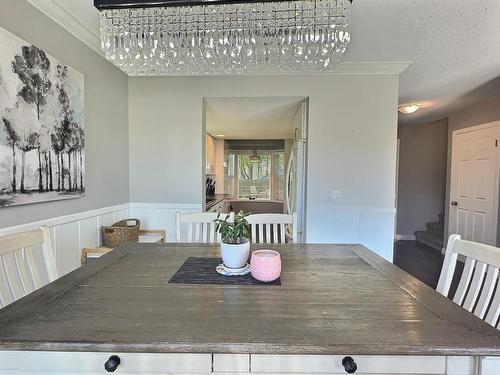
(112, 363)
(349, 365)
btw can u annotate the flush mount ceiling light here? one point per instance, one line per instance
(409, 108)
(158, 37)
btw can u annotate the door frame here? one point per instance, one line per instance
(302, 161)
(471, 129)
(305, 160)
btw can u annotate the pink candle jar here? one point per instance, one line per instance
(265, 265)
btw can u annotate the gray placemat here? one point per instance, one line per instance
(202, 271)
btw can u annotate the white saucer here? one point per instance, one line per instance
(225, 271)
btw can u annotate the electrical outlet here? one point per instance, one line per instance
(335, 195)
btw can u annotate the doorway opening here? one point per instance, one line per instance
(255, 156)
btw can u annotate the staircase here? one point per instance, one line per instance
(433, 236)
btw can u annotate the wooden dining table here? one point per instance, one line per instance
(335, 308)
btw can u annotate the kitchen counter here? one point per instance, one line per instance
(215, 199)
(334, 299)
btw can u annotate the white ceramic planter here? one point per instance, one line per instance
(235, 256)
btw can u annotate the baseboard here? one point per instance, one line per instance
(404, 237)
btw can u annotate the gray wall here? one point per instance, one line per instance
(475, 114)
(350, 150)
(422, 175)
(106, 115)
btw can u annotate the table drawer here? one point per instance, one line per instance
(305, 364)
(69, 362)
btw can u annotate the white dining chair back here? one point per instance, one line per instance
(478, 290)
(271, 228)
(27, 263)
(199, 227)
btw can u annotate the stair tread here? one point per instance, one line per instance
(433, 240)
(435, 227)
(435, 223)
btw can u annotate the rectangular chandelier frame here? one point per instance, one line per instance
(127, 4)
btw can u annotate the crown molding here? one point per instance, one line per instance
(55, 10)
(343, 68)
(375, 67)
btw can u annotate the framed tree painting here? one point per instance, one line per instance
(42, 137)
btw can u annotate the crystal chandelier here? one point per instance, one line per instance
(186, 37)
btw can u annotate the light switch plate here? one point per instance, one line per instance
(335, 195)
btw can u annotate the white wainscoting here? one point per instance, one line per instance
(161, 215)
(372, 227)
(73, 232)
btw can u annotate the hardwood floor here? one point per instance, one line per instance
(424, 263)
(420, 261)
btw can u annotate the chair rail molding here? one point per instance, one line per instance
(59, 11)
(162, 215)
(73, 232)
(60, 220)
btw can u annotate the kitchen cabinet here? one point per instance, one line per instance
(210, 154)
(222, 206)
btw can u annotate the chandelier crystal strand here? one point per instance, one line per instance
(269, 37)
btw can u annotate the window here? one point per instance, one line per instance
(229, 173)
(254, 179)
(280, 168)
(264, 180)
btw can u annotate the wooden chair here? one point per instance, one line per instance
(478, 290)
(271, 228)
(145, 236)
(200, 227)
(27, 262)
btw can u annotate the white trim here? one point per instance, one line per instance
(405, 237)
(346, 67)
(477, 127)
(167, 206)
(62, 219)
(376, 67)
(58, 12)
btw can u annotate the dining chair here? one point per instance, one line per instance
(272, 228)
(27, 262)
(200, 227)
(478, 290)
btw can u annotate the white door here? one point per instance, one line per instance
(474, 183)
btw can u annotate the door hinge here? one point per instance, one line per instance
(496, 143)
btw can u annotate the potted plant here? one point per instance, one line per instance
(235, 245)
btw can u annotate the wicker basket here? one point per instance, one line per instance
(121, 232)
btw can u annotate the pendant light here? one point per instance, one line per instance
(255, 158)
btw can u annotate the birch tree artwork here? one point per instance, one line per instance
(42, 138)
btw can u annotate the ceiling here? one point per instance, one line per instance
(454, 45)
(251, 118)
